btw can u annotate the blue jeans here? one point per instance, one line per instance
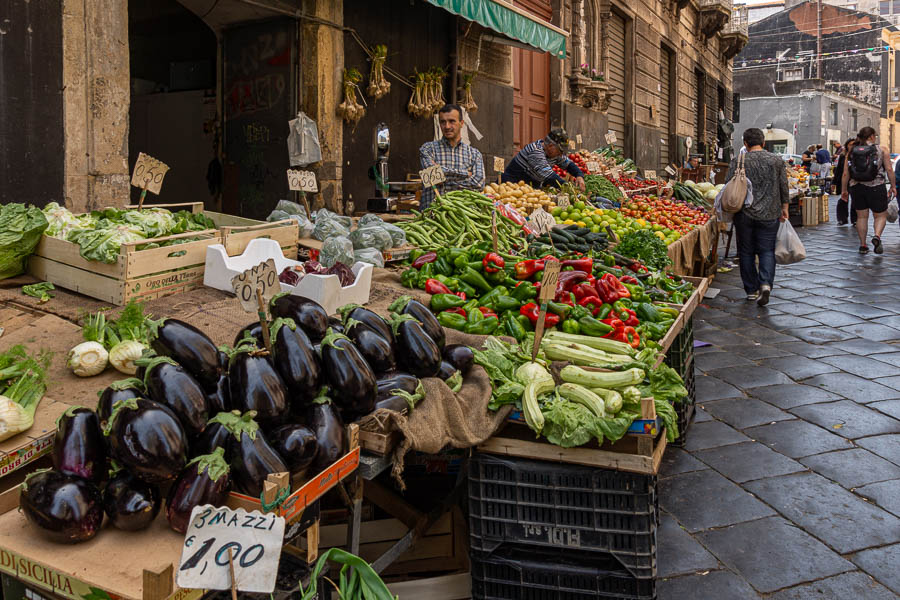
(756, 239)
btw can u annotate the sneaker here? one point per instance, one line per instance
(753, 297)
(764, 295)
(876, 243)
(863, 249)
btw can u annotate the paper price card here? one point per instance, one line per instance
(498, 164)
(542, 221)
(649, 174)
(302, 181)
(571, 144)
(611, 137)
(562, 201)
(148, 173)
(549, 280)
(577, 138)
(252, 540)
(433, 175)
(593, 166)
(670, 170)
(263, 276)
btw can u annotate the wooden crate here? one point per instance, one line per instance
(810, 208)
(823, 208)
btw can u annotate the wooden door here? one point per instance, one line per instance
(617, 77)
(531, 85)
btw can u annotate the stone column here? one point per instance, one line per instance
(96, 101)
(322, 64)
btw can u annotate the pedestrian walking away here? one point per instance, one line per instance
(868, 170)
(845, 210)
(756, 225)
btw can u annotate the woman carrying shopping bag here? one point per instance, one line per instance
(868, 170)
(756, 225)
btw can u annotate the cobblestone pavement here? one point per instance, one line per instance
(788, 486)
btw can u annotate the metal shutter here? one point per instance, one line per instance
(616, 114)
(664, 64)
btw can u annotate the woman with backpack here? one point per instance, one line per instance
(868, 170)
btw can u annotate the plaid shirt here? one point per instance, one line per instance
(463, 166)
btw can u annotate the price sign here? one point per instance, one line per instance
(571, 144)
(615, 173)
(148, 173)
(611, 137)
(670, 170)
(302, 181)
(593, 166)
(577, 138)
(649, 174)
(548, 291)
(498, 164)
(431, 176)
(624, 192)
(562, 201)
(263, 276)
(542, 221)
(251, 540)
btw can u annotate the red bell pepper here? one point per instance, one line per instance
(632, 337)
(568, 279)
(459, 310)
(632, 320)
(580, 264)
(605, 291)
(492, 262)
(428, 257)
(616, 286)
(629, 280)
(461, 295)
(533, 312)
(433, 286)
(583, 290)
(487, 312)
(593, 303)
(526, 268)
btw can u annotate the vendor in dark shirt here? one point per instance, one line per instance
(533, 162)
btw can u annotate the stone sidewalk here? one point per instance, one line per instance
(789, 484)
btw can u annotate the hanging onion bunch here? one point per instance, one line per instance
(350, 110)
(468, 101)
(378, 85)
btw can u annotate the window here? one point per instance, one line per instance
(792, 74)
(884, 7)
(854, 120)
(896, 7)
(833, 111)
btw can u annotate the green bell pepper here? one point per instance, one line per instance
(636, 291)
(504, 303)
(524, 292)
(409, 278)
(513, 328)
(604, 312)
(443, 267)
(647, 313)
(491, 297)
(415, 253)
(474, 316)
(475, 279)
(452, 320)
(441, 302)
(525, 322)
(593, 327)
(461, 262)
(483, 327)
(425, 273)
(559, 309)
(656, 331)
(471, 305)
(571, 326)
(465, 288)
(450, 282)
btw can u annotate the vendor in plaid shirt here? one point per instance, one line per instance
(532, 163)
(463, 165)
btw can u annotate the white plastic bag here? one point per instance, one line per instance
(303, 141)
(893, 210)
(788, 247)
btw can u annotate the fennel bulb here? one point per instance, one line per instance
(87, 359)
(123, 355)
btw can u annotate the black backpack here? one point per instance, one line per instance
(863, 163)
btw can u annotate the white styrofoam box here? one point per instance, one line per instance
(324, 289)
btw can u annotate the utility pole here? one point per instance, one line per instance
(818, 39)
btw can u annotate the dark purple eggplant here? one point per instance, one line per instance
(405, 305)
(189, 347)
(307, 314)
(129, 503)
(397, 380)
(367, 317)
(378, 351)
(252, 458)
(395, 403)
(349, 375)
(296, 444)
(79, 448)
(204, 480)
(254, 384)
(215, 435)
(220, 400)
(118, 390)
(296, 361)
(336, 324)
(255, 331)
(325, 422)
(173, 386)
(460, 356)
(223, 362)
(447, 370)
(147, 438)
(66, 509)
(417, 353)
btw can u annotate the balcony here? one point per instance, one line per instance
(735, 35)
(714, 15)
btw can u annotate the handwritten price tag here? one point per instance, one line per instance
(649, 174)
(252, 539)
(593, 166)
(148, 173)
(611, 138)
(571, 144)
(548, 291)
(542, 221)
(433, 175)
(562, 201)
(263, 276)
(302, 181)
(577, 138)
(498, 164)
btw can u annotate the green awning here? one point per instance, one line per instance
(514, 23)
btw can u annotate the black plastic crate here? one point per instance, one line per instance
(685, 410)
(562, 505)
(516, 572)
(682, 348)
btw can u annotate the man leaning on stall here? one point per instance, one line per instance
(462, 164)
(533, 162)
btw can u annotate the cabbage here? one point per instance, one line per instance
(711, 194)
(62, 221)
(20, 231)
(102, 244)
(152, 222)
(705, 186)
(689, 182)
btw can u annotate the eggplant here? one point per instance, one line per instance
(405, 305)
(223, 362)
(147, 438)
(349, 375)
(129, 503)
(215, 435)
(378, 351)
(171, 385)
(255, 331)
(460, 356)
(296, 361)
(323, 420)
(307, 314)
(447, 370)
(395, 403)
(118, 390)
(254, 384)
(296, 444)
(79, 448)
(204, 480)
(252, 458)
(65, 509)
(367, 317)
(417, 353)
(220, 400)
(189, 347)
(336, 324)
(397, 380)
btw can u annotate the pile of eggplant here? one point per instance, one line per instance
(197, 421)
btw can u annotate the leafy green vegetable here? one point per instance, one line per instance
(647, 247)
(568, 424)
(152, 222)
(501, 360)
(18, 367)
(39, 290)
(131, 324)
(669, 417)
(103, 244)
(599, 185)
(62, 222)
(358, 580)
(20, 231)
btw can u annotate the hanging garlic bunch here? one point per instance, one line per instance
(378, 85)
(437, 89)
(468, 101)
(416, 105)
(350, 110)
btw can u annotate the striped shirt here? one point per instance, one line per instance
(532, 166)
(463, 167)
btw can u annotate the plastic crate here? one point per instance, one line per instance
(685, 410)
(682, 348)
(564, 506)
(517, 572)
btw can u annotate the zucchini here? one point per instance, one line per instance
(604, 344)
(580, 394)
(531, 410)
(605, 380)
(558, 238)
(583, 355)
(612, 400)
